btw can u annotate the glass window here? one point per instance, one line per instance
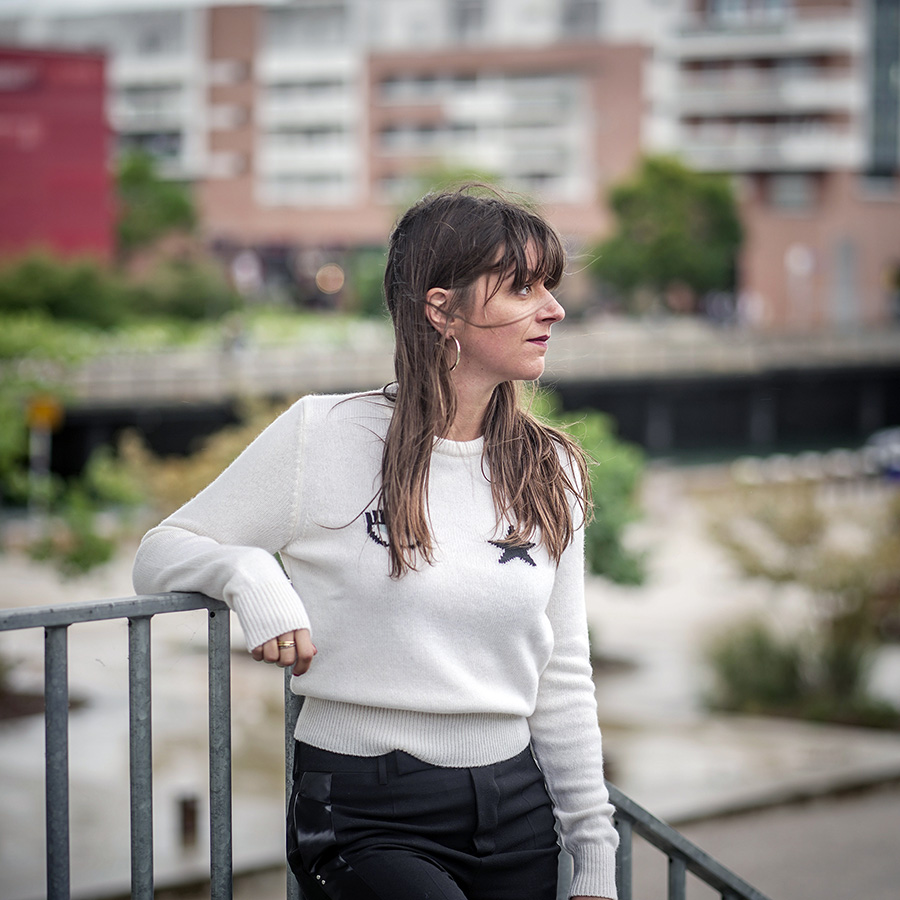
(309, 25)
(793, 191)
(580, 18)
(467, 19)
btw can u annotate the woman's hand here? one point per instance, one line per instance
(292, 649)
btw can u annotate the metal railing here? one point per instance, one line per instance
(55, 620)
(631, 819)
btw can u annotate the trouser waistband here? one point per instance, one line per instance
(313, 759)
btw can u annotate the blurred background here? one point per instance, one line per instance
(195, 200)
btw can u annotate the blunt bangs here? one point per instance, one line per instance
(525, 230)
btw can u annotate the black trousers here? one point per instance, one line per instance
(395, 828)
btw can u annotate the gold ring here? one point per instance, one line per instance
(283, 644)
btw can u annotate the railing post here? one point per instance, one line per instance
(624, 875)
(141, 758)
(677, 878)
(292, 705)
(220, 812)
(56, 760)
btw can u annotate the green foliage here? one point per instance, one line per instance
(72, 540)
(186, 290)
(72, 537)
(783, 534)
(674, 227)
(69, 291)
(758, 672)
(149, 206)
(34, 354)
(615, 473)
(365, 276)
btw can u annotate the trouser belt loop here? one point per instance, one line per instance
(382, 770)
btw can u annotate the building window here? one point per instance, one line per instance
(742, 12)
(467, 19)
(307, 189)
(794, 191)
(163, 145)
(580, 19)
(310, 25)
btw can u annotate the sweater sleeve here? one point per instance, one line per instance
(221, 543)
(566, 736)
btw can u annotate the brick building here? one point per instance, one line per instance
(55, 186)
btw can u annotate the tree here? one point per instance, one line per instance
(676, 228)
(149, 206)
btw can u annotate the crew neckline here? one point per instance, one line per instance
(447, 447)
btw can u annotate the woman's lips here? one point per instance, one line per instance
(540, 341)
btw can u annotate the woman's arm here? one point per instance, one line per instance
(222, 543)
(566, 736)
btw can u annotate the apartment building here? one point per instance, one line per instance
(795, 99)
(307, 122)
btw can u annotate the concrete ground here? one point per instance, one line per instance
(663, 748)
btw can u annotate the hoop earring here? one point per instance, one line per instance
(458, 352)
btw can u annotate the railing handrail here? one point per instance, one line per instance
(684, 856)
(100, 610)
(632, 817)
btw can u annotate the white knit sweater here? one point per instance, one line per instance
(460, 663)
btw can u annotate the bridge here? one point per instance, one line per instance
(672, 386)
(602, 351)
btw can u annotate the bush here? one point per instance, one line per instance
(186, 289)
(615, 473)
(759, 673)
(76, 291)
(756, 671)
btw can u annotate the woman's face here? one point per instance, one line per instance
(504, 334)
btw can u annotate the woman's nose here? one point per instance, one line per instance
(552, 310)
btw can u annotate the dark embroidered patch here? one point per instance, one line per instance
(514, 551)
(376, 527)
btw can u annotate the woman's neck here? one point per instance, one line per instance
(471, 406)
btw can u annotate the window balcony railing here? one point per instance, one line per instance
(631, 819)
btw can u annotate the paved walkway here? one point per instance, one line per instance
(663, 748)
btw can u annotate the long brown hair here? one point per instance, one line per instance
(449, 240)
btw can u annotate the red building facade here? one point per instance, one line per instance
(56, 189)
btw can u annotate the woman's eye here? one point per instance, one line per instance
(525, 291)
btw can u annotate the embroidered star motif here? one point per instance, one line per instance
(514, 551)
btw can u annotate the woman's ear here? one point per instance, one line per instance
(435, 303)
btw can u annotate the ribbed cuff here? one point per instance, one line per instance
(267, 610)
(595, 872)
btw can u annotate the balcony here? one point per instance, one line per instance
(56, 623)
(126, 116)
(765, 149)
(329, 108)
(772, 34)
(766, 94)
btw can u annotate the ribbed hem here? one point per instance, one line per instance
(267, 610)
(452, 740)
(595, 872)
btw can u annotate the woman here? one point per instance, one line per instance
(433, 538)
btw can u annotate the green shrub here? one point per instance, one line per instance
(70, 291)
(615, 473)
(186, 289)
(756, 671)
